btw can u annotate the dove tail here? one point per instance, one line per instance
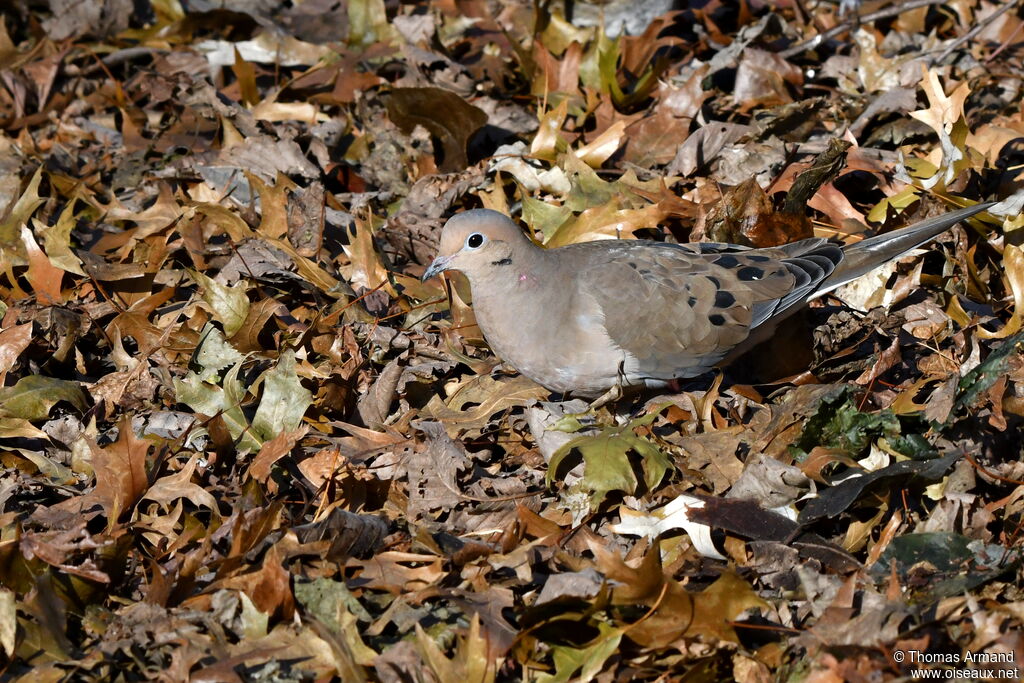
(810, 260)
(868, 254)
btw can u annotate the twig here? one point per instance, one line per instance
(989, 473)
(978, 28)
(116, 58)
(1005, 44)
(852, 23)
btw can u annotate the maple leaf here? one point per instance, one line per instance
(607, 465)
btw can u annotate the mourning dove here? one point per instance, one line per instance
(591, 319)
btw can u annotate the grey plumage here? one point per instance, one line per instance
(588, 317)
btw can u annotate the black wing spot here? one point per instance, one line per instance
(724, 299)
(749, 273)
(727, 261)
(758, 258)
(717, 320)
(691, 302)
(715, 281)
(644, 271)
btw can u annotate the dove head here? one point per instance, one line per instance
(477, 242)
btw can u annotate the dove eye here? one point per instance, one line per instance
(475, 240)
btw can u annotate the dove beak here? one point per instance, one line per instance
(439, 265)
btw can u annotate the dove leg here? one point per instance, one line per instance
(613, 394)
(610, 396)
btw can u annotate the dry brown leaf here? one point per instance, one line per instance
(120, 472)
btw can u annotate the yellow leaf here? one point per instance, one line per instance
(57, 241)
(898, 202)
(229, 305)
(224, 220)
(245, 72)
(548, 143)
(606, 222)
(470, 663)
(603, 146)
(10, 224)
(1013, 270)
(365, 269)
(486, 396)
(308, 269)
(368, 23)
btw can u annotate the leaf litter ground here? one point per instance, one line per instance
(242, 441)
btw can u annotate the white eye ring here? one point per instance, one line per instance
(475, 241)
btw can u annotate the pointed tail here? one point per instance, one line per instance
(870, 253)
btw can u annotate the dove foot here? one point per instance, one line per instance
(610, 396)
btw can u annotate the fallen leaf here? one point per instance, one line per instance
(34, 396)
(120, 472)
